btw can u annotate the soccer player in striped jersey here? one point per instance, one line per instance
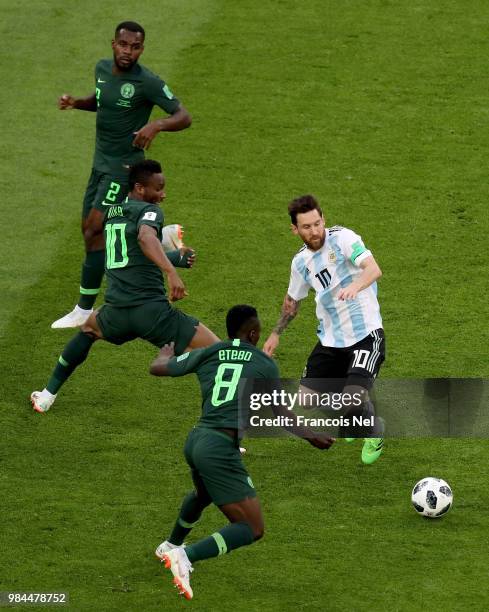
(343, 272)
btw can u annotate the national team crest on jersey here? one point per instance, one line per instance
(331, 256)
(127, 90)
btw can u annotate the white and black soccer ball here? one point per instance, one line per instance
(172, 237)
(432, 497)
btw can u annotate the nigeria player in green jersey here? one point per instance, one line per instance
(212, 447)
(124, 96)
(136, 305)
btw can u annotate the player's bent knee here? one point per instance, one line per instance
(91, 232)
(89, 331)
(91, 328)
(93, 226)
(258, 533)
(199, 499)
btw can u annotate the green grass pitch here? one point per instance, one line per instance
(378, 107)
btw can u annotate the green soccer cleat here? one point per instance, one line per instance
(372, 449)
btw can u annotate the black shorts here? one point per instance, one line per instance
(217, 466)
(358, 364)
(157, 322)
(104, 190)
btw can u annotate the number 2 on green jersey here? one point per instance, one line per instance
(226, 386)
(116, 245)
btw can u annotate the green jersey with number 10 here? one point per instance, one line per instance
(219, 368)
(132, 279)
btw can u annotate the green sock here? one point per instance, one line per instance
(74, 353)
(91, 278)
(189, 516)
(224, 541)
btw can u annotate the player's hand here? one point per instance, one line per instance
(320, 440)
(271, 344)
(167, 351)
(189, 255)
(66, 102)
(348, 293)
(176, 287)
(160, 363)
(144, 137)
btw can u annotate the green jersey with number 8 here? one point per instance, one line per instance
(132, 279)
(219, 368)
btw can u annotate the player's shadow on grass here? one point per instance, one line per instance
(465, 403)
(433, 407)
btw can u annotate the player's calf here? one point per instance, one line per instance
(73, 355)
(247, 511)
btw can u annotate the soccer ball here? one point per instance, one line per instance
(172, 237)
(432, 497)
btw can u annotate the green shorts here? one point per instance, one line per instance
(215, 461)
(104, 190)
(157, 322)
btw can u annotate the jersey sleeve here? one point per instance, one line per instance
(298, 286)
(272, 370)
(352, 246)
(158, 92)
(186, 363)
(153, 216)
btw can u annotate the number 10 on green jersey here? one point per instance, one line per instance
(116, 245)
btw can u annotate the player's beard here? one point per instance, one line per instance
(124, 67)
(316, 245)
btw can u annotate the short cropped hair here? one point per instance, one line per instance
(237, 316)
(131, 26)
(303, 204)
(142, 170)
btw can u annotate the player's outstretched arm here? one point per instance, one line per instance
(180, 120)
(68, 102)
(290, 308)
(159, 365)
(318, 439)
(151, 247)
(370, 273)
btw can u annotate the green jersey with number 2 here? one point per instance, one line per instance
(124, 104)
(132, 279)
(219, 368)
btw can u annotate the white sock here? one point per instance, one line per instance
(82, 310)
(47, 394)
